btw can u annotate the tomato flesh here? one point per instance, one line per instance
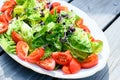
(35, 56)
(3, 24)
(48, 64)
(66, 69)
(8, 14)
(59, 9)
(3, 28)
(16, 37)
(22, 49)
(74, 66)
(79, 22)
(62, 58)
(85, 28)
(55, 4)
(8, 4)
(91, 61)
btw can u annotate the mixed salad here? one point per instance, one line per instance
(47, 34)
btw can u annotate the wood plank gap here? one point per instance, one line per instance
(2, 52)
(108, 25)
(70, 1)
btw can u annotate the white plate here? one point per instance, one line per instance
(96, 32)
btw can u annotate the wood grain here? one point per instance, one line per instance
(102, 11)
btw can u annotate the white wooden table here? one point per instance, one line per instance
(106, 13)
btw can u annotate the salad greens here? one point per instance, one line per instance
(55, 32)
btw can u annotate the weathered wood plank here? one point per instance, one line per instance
(102, 11)
(113, 37)
(15, 71)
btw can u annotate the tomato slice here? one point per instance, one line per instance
(48, 64)
(62, 58)
(3, 24)
(74, 66)
(8, 14)
(91, 61)
(6, 5)
(79, 22)
(3, 28)
(85, 28)
(16, 37)
(66, 69)
(22, 49)
(13, 2)
(55, 4)
(62, 8)
(59, 9)
(35, 56)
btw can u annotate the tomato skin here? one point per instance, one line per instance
(85, 28)
(91, 61)
(62, 8)
(79, 22)
(74, 66)
(48, 64)
(22, 49)
(35, 56)
(6, 5)
(16, 37)
(62, 58)
(4, 24)
(8, 14)
(66, 69)
(13, 2)
(59, 9)
(3, 28)
(55, 4)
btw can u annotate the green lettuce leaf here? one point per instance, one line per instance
(97, 46)
(77, 54)
(7, 43)
(79, 40)
(23, 29)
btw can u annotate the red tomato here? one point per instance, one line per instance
(55, 4)
(59, 9)
(92, 38)
(35, 55)
(16, 37)
(6, 5)
(74, 66)
(8, 14)
(22, 49)
(3, 24)
(91, 61)
(62, 8)
(62, 58)
(79, 22)
(13, 2)
(85, 28)
(48, 64)
(3, 27)
(66, 69)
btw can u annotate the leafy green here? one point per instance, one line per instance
(23, 29)
(76, 53)
(80, 41)
(20, 2)
(54, 32)
(7, 43)
(97, 46)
